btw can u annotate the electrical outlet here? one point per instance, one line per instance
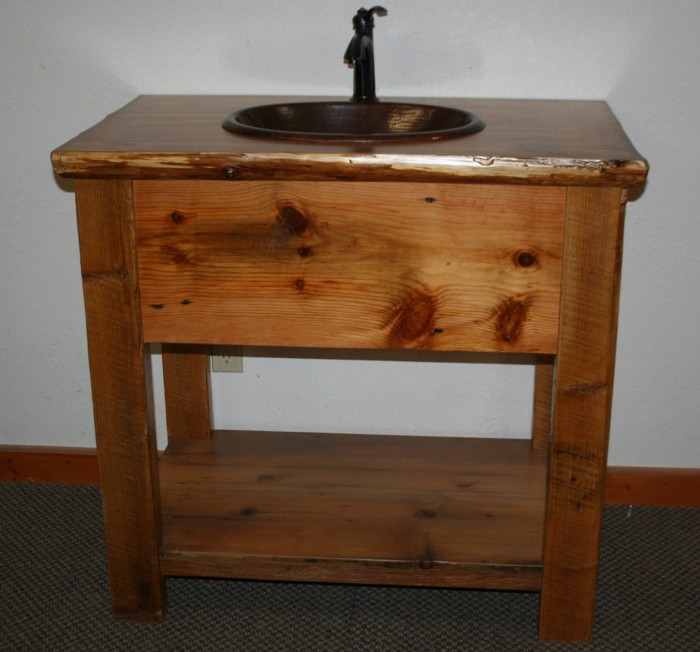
(227, 359)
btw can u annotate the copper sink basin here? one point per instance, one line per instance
(353, 122)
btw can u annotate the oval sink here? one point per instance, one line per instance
(353, 121)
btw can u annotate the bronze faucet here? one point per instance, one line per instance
(360, 54)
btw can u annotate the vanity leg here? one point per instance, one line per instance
(581, 417)
(121, 391)
(542, 408)
(187, 391)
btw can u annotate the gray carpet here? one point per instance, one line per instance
(54, 595)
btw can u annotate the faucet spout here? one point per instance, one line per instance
(360, 54)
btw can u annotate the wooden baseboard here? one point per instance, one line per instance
(625, 485)
(653, 486)
(48, 464)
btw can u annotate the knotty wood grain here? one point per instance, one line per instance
(373, 265)
(386, 509)
(454, 245)
(187, 391)
(121, 388)
(581, 418)
(524, 142)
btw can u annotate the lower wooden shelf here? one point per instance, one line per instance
(422, 511)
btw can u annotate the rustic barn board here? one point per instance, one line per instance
(187, 391)
(375, 265)
(581, 418)
(390, 509)
(121, 394)
(507, 241)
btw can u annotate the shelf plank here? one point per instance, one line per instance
(355, 508)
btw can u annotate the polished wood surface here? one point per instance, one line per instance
(355, 508)
(525, 141)
(410, 266)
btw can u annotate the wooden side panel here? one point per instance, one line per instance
(121, 388)
(187, 391)
(367, 265)
(582, 399)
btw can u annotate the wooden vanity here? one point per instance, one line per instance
(507, 241)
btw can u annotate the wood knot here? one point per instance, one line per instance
(413, 319)
(427, 560)
(181, 258)
(177, 218)
(584, 390)
(525, 259)
(293, 220)
(510, 318)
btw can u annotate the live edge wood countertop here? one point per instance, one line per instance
(560, 142)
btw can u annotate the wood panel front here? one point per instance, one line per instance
(368, 265)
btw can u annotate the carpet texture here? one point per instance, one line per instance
(54, 594)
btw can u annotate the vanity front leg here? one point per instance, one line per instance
(121, 391)
(581, 416)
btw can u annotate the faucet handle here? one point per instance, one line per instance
(380, 11)
(364, 18)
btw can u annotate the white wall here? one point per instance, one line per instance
(66, 64)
